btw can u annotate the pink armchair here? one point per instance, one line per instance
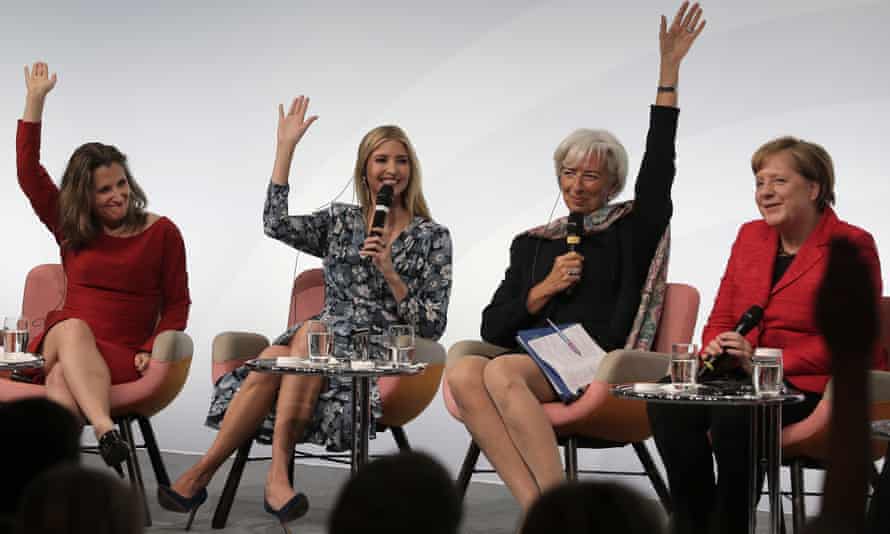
(134, 401)
(597, 419)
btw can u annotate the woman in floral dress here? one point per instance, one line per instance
(399, 275)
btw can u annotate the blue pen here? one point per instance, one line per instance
(563, 337)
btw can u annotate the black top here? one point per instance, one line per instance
(783, 261)
(606, 299)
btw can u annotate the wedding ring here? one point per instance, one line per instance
(573, 272)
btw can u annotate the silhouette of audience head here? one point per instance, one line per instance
(37, 434)
(404, 493)
(592, 507)
(69, 499)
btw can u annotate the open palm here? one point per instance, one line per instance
(292, 126)
(38, 80)
(678, 38)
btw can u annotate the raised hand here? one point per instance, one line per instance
(678, 38)
(292, 126)
(38, 81)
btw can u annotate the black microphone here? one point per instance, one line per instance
(747, 322)
(574, 231)
(384, 201)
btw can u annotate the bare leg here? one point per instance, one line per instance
(71, 345)
(248, 407)
(293, 412)
(483, 421)
(57, 390)
(518, 388)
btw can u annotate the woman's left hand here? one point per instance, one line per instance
(380, 252)
(678, 38)
(736, 345)
(141, 362)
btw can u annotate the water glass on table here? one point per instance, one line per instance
(684, 364)
(400, 344)
(320, 342)
(15, 335)
(767, 371)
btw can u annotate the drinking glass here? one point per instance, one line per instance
(767, 372)
(15, 335)
(684, 364)
(400, 342)
(320, 341)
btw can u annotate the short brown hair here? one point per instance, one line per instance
(810, 161)
(78, 224)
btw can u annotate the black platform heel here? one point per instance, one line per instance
(292, 510)
(114, 450)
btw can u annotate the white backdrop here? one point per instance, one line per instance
(486, 91)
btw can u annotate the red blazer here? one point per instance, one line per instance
(788, 307)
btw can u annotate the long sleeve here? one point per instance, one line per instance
(507, 313)
(722, 316)
(308, 233)
(426, 305)
(175, 303)
(33, 178)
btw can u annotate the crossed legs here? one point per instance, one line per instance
(78, 377)
(501, 404)
(296, 402)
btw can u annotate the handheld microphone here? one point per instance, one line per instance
(747, 322)
(574, 230)
(384, 201)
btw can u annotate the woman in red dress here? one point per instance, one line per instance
(125, 270)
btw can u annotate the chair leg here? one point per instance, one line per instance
(798, 510)
(224, 505)
(398, 434)
(154, 452)
(571, 456)
(290, 467)
(467, 469)
(133, 470)
(654, 475)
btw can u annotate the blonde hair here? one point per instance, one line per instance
(412, 198)
(583, 143)
(810, 161)
(78, 222)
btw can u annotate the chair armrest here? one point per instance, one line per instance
(428, 351)
(621, 366)
(475, 348)
(172, 346)
(229, 346)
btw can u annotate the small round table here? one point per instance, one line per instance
(878, 512)
(766, 428)
(18, 361)
(361, 391)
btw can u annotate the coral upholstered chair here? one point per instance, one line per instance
(597, 419)
(133, 401)
(403, 397)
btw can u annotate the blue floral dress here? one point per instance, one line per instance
(356, 296)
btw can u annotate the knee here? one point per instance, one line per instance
(501, 381)
(274, 351)
(465, 378)
(261, 381)
(74, 331)
(55, 378)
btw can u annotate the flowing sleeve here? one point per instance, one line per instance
(33, 178)
(426, 305)
(175, 301)
(307, 233)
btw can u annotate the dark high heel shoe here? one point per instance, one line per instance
(292, 510)
(114, 450)
(170, 500)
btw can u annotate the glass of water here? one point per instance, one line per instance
(767, 371)
(684, 364)
(400, 342)
(15, 335)
(320, 341)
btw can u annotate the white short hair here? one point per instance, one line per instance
(583, 143)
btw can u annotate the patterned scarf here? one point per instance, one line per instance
(642, 334)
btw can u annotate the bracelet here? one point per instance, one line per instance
(666, 89)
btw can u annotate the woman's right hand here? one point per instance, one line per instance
(566, 272)
(38, 80)
(292, 126)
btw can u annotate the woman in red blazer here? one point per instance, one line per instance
(776, 263)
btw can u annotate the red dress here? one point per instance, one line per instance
(127, 289)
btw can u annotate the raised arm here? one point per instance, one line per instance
(291, 128)
(675, 42)
(39, 83)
